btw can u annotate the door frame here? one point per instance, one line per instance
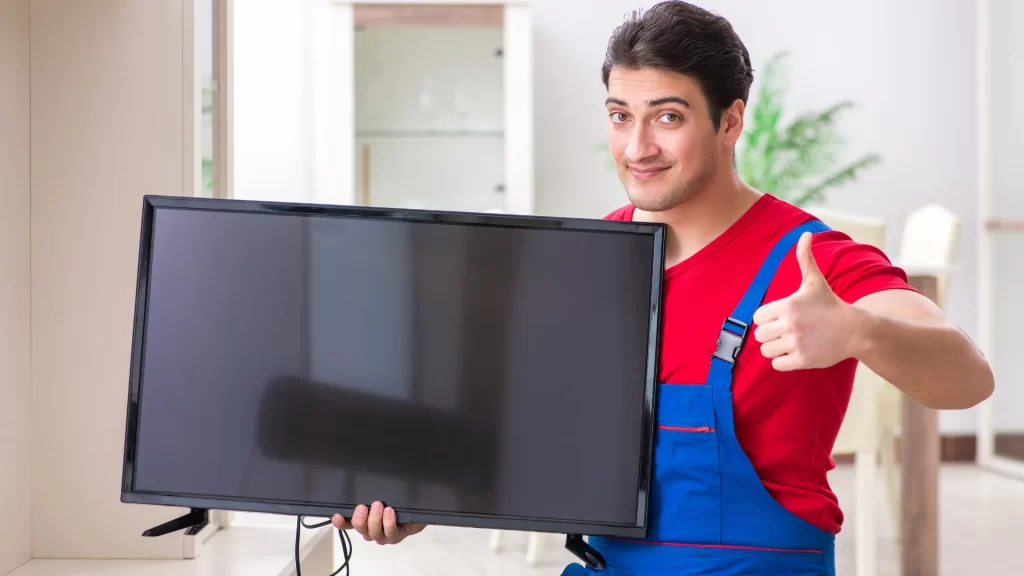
(987, 226)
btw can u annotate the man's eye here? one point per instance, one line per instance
(669, 117)
(618, 117)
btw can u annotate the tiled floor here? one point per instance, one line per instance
(981, 534)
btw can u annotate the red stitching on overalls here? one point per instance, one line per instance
(752, 548)
(687, 429)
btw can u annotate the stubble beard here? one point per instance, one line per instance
(682, 192)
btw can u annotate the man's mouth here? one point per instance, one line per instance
(646, 173)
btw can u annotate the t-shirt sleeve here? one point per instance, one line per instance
(854, 270)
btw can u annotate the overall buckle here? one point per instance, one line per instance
(729, 341)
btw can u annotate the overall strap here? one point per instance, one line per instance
(734, 330)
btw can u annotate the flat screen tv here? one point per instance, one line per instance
(480, 370)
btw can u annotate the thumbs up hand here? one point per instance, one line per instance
(811, 327)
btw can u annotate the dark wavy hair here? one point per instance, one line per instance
(679, 37)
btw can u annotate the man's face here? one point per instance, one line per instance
(661, 136)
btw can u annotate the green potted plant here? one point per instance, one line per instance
(795, 161)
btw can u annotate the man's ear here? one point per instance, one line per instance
(732, 123)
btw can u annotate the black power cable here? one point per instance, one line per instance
(346, 545)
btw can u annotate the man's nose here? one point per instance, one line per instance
(641, 145)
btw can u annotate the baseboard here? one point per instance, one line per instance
(962, 448)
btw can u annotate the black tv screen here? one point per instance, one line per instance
(466, 369)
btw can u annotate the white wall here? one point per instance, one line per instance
(913, 84)
(107, 109)
(15, 375)
(273, 100)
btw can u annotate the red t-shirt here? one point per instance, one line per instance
(786, 422)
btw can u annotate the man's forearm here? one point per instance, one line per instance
(930, 360)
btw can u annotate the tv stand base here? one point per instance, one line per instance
(574, 543)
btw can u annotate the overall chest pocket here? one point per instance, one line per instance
(686, 496)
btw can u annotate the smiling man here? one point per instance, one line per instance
(766, 315)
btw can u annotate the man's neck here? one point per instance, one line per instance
(697, 222)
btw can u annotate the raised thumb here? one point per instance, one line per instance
(808, 267)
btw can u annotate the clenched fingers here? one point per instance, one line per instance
(375, 523)
(339, 522)
(770, 331)
(778, 347)
(392, 532)
(359, 520)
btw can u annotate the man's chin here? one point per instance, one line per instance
(652, 202)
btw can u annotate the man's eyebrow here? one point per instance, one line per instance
(675, 99)
(652, 103)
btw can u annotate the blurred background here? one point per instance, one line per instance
(897, 121)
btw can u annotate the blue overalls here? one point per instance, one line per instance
(709, 512)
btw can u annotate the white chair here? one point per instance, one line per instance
(930, 242)
(859, 434)
(533, 544)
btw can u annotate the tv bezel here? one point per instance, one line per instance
(151, 203)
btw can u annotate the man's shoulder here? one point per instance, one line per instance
(781, 216)
(624, 213)
(852, 268)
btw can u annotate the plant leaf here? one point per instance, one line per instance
(807, 149)
(839, 178)
(761, 137)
